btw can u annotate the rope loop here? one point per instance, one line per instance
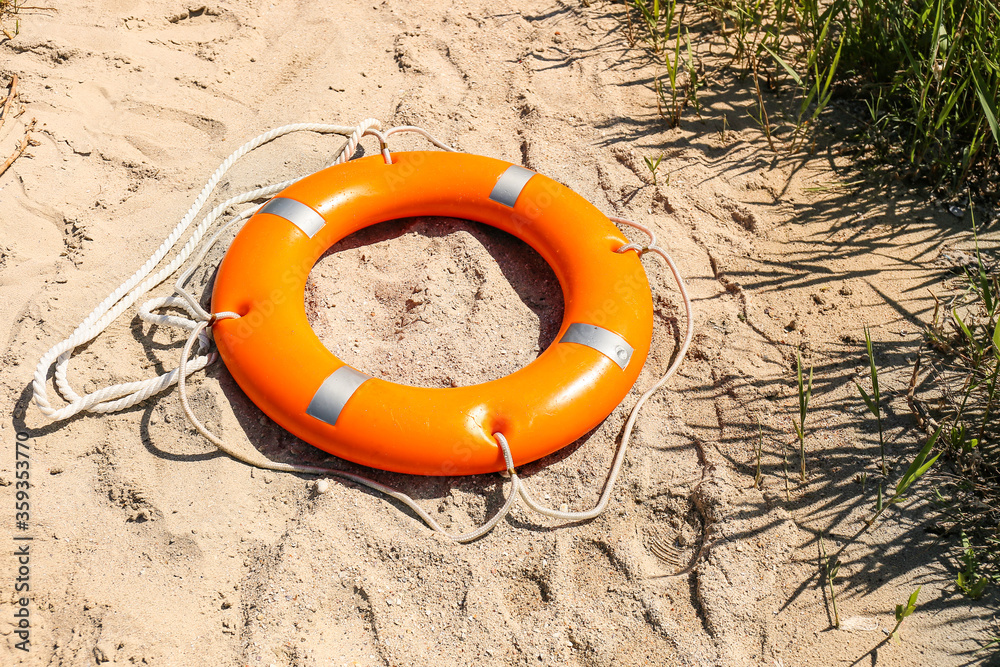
(639, 249)
(505, 448)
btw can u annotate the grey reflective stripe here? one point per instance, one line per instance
(510, 184)
(295, 212)
(608, 343)
(333, 394)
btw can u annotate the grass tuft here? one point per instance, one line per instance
(653, 165)
(965, 397)
(831, 567)
(921, 78)
(902, 611)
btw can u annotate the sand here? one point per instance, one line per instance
(152, 548)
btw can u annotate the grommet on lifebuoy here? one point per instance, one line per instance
(283, 367)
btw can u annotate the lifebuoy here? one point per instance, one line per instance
(571, 387)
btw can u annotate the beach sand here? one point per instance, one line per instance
(150, 547)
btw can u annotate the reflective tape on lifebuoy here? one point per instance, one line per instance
(283, 367)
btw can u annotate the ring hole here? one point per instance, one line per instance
(434, 302)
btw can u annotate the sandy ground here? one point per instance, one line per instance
(152, 548)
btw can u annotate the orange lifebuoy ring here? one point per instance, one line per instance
(571, 387)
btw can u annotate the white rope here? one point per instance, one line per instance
(616, 464)
(259, 461)
(138, 284)
(122, 396)
(518, 487)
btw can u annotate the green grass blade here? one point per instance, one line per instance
(935, 45)
(871, 363)
(833, 68)
(788, 68)
(868, 401)
(798, 373)
(989, 106)
(924, 468)
(965, 330)
(906, 50)
(949, 106)
(918, 467)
